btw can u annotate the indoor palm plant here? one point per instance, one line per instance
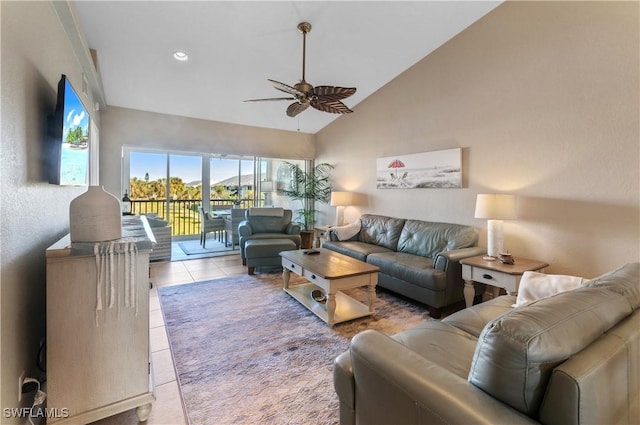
(309, 187)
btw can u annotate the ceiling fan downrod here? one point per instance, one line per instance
(304, 28)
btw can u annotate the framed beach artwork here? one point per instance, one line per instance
(436, 169)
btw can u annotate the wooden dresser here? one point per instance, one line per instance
(98, 354)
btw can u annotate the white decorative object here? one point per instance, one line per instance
(495, 207)
(347, 231)
(340, 200)
(534, 286)
(95, 216)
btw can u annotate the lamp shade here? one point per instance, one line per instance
(496, 206)
(341, 199)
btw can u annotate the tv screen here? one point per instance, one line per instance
(70, 133)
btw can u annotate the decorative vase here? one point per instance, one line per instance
(95, 216)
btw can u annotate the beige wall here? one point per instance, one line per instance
(34, 214)
(127, 127)
(542, 97)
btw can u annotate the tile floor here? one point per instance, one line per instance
(167, 409)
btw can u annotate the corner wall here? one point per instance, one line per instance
(542, 97)
(33, 213)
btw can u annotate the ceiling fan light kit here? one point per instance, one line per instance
(322, 98)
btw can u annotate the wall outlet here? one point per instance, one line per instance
(20, 382)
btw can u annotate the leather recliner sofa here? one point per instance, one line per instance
(417, 259)
(570, 358)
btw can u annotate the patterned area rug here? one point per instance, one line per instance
(247, 353)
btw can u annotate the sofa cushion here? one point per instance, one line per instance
(517, 351)
(357, 250)
(444, 345)
(411, 268)
(625, 280)
(474, 319)
(268, 223)
(380, 230)
(428, 239)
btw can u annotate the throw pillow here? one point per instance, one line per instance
(534, 286)
(347, 231)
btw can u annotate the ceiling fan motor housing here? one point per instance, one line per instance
(304, 87)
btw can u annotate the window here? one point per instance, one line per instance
(169, 184)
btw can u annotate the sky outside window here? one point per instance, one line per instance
(181, 166)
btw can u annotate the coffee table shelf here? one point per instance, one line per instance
(347, 308)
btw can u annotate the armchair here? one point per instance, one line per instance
(267, 223)
(209, 224)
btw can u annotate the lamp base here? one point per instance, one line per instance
(339, 215)
(489, 258)
(495, 238)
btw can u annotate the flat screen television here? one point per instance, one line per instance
(69, 155)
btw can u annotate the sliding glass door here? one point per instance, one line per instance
(232, 181)
(170, 184)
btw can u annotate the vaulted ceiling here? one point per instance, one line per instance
(234, 46)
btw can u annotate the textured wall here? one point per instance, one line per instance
(34, 214)
(542, 97)
(126, 127)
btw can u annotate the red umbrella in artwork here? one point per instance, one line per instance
(395, 164)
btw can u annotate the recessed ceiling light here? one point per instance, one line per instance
(181, 56)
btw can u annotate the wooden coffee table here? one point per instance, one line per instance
(332, 273)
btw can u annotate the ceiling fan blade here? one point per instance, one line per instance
(329, 93)
(296, 107)
(286, 88)
(333, 107)
(269, 99)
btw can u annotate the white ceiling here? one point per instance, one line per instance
(234, 46)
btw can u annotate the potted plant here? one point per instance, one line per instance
(309, 187)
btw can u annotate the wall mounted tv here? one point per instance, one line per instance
(69, 155)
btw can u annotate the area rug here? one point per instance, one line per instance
(246, 352)
(194, 247)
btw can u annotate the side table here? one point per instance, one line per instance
(322, 233)
(496, 274)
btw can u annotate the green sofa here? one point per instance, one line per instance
(417, 259)
(569, 358)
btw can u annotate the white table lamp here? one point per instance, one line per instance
(340, 200)
(495, 208)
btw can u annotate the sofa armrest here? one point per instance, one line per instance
(293, 228)
(334, 237)
(345, 387)
(445, 258)
(244, 228)
(396, 385)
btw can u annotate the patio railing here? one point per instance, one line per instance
(183, 214)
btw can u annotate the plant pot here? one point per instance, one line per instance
(307, 239)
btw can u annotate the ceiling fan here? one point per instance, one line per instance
(322, 98)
